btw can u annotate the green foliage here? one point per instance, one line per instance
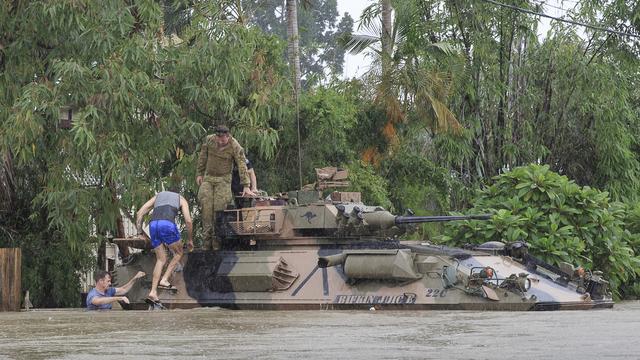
(320, 28)
(141, 105)
(416, 183)
(328, 116)
(373, 187)
(50, 266)
(560, 221)
(234, 77)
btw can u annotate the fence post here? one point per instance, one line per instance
(10, 279)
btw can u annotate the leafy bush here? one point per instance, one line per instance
(419, 184)
(373, 187)
(560, 220)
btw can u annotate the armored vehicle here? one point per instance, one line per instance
(300, 250)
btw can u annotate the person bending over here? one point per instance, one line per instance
(165, 234)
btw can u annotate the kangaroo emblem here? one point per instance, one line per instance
(309, 215)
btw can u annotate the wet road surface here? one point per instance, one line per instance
(226, 334)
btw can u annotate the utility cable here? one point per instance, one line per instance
(545, 4)
(561, 19)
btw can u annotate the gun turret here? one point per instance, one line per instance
(322, 221)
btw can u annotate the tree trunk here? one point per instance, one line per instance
(385, 38)
(294, 46)
(294, 62)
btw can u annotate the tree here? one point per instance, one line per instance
(140, 107)
(293, 48)
(531, 99)
(319, 33)
(407, 81)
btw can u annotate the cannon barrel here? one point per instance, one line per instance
(423, 219)
(386, 220)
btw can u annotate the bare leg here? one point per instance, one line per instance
(161, 259)
(176, 248)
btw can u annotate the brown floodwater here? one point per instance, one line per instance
(228, 334)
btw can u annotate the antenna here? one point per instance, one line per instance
(299, 148)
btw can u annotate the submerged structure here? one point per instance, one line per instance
(302, 251)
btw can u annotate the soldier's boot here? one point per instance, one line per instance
(207, 239)
(211, 243)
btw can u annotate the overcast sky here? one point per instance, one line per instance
(356, 65)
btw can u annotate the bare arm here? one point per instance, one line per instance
(101, 300)
(126, 287)
(184, 206)
(254, 182)
(142, 212)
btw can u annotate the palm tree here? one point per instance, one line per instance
(293, 43)
(293, 50)
(404, 73)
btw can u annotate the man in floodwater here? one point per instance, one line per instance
(165, 234)
(103, 295)
(217, 155)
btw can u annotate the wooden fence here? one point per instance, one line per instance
(10, 279)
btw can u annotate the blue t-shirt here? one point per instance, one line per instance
(95, 293)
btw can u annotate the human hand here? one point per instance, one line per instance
(247, 192)
(140, 274)
(199, 180)
(124, 299)
(190, 246)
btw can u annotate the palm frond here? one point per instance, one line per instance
(445, 120)
(370, 15)
(360, 42)
(446, 48)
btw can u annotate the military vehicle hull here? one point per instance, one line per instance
(303, 250)
(401, 276)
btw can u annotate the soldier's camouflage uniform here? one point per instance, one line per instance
(214, 194)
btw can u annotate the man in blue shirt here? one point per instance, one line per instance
(103, 295)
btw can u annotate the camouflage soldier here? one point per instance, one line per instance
(213, 175)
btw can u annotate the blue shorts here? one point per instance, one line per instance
(163, 231)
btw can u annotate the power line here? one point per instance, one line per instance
(544, 4)
(561, 19)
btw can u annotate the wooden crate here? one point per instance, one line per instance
(10, 279)
(345, 196)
